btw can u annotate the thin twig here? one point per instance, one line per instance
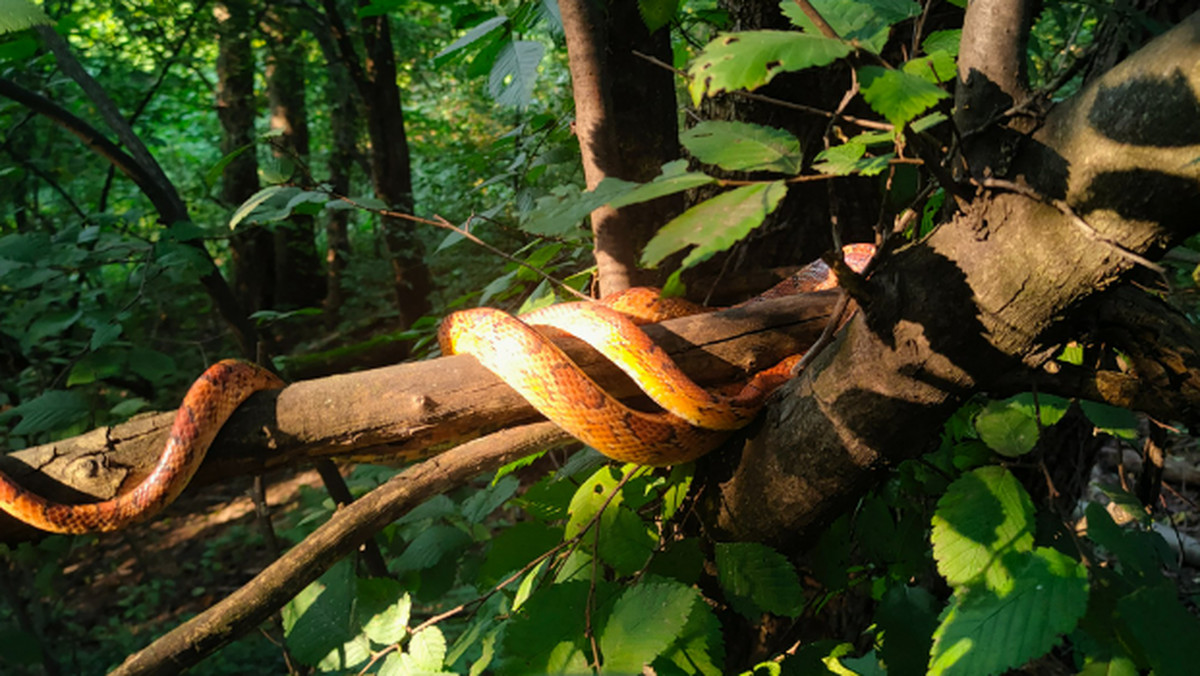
(818, 20)
(1077, 221)
(865, 124)
(440, 222)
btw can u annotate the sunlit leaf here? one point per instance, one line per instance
(751, 59)
(741, 146)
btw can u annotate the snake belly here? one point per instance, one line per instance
(695, 420)
(208, 403)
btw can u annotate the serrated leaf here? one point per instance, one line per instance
(850, 158)
(897, 95)
(559, 213)
(673, 178)
(427, 650)
(741, 146)
(1119, 422)
(515, 72)
(983, 632)
(645, 620)
(626, 541)
(470, 37)
(867, 22)
(757, 578)
(678, 484)
(715, 224)
(984, 514)
(1164, 629)
(50, 411)
(547, 636)
(429, 548)
(319, 619)
(751, 59)
(482, 503)
(386, 607)
(17, 15)
(700, 646)
(1006, 429)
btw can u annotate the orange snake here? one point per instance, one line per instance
(695, 420)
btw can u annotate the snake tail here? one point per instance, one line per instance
(209, 402)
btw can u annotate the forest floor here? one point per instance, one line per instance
(118, 591)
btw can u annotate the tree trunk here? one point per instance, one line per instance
(625, 119)
(252, 247)
(298, 279)
(985, 301)
(391, 172)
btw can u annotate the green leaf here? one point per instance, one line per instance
(741, 146)
(560, 213)
(757, 578)
(17, 15)
(319, 620)
(936, 68)
(984, 514)
(1167, 633)
(1006, 429)
(50, 411)
(256, 200)
(984, 632)
(897, 95)
(514, 547)
(426, 651)
(590, 498)
(751, 59)
(626, 541)
(430, 547)
(700, 646)
(673, 178)
(515, 73)
(850, 158)
(908, 617)
(867, 22)
(657, 13)
(646, 618)
(547, 635)
(471, 36)
(1140, 554)
(715, 224)
(1119, 422)
(151, 364)
(482, 503)
(547, 500)
(386, 607)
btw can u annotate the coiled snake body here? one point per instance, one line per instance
(693, 423)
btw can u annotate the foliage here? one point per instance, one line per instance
(558, 565)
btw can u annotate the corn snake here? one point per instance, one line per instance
(695, 421)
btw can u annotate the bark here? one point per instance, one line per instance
(391, 171)
(625, 119)
(987, 296)
(252, 247)
(298, 278)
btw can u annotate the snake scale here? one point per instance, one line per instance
(694, 420)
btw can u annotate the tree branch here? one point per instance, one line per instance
(349, 527)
